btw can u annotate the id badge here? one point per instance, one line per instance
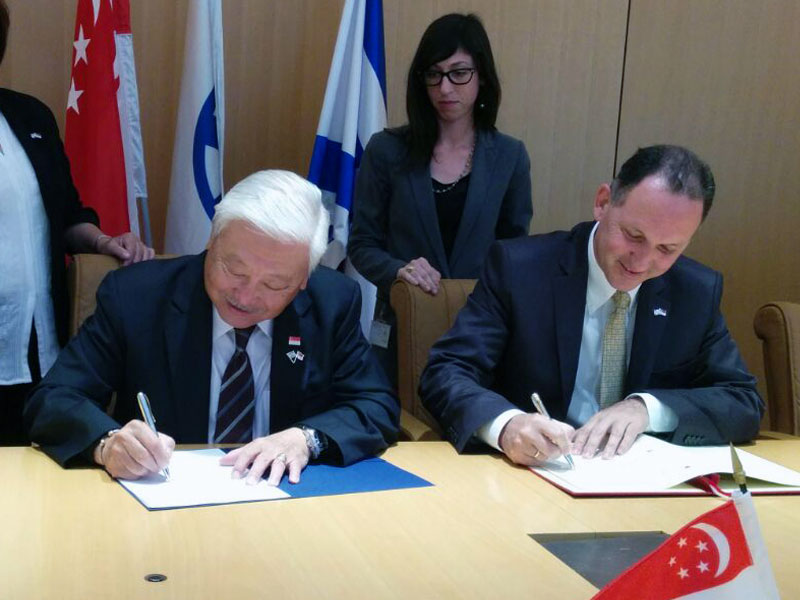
(379, 333)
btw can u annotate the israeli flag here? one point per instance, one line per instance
(354, 109)
(196, 182)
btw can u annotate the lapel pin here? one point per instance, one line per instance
(294, 340)
(659, 312)
(36, 136)
(294, 356)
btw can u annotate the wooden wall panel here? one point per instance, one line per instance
(560, 65)
(39, 51)
(277, 57)
(722, 77)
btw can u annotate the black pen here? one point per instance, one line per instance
(539, 406)
(147, 414)
(738, 471)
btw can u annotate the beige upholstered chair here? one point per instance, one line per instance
(84, 275)
(421, 320)
(777, 324)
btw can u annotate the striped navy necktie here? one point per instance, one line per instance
(236, 395)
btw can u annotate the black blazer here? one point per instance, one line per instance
(35, 128)
(151, 332)
(394, 218)
(521, 330)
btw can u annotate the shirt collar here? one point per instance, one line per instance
(598, 289)
(219, 327)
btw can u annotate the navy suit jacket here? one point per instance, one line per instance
(35, 128)
(520, 332)
(394, 213)
(151, 332)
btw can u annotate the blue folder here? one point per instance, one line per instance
(368, 475)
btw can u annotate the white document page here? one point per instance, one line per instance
(653, 465)
(197, 479)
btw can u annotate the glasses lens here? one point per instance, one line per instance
(460, 76)
(432, 77)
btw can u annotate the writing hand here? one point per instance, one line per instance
(135, 451)
(531, 439)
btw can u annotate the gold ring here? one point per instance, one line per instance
(537, 455)
(281, 457)
(410, 268)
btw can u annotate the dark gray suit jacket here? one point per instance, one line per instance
(151, 332)
(394, 214)
(520, 332)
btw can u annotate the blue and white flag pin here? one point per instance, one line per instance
(294, 356)
(659, 312)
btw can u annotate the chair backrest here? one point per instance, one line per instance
(421, 320)
(84, 275)
(777, 324)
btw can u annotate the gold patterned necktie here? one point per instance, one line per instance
(612, 372)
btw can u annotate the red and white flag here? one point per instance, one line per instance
(102, 136)
(718, 556)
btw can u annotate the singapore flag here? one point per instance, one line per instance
(718, 556)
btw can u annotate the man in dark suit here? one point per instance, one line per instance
(247, 342)
(617, 332)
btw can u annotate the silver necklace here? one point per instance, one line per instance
(464, 172)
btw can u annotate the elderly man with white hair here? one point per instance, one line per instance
(249, 342)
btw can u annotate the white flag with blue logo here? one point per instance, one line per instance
(354, 109)
(196, 182)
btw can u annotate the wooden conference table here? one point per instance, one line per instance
(78, 534)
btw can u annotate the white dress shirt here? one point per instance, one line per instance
(24, 265)
(259, 349)
(584, 404)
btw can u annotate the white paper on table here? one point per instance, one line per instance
(197, 479)
(654, 466)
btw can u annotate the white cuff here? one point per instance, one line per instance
(662, 417)
(490, 432)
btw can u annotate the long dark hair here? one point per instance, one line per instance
(4, 24)
(442, 39)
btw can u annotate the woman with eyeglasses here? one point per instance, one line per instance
(433, 195)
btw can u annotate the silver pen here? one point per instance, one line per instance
(147, 415)
(539, 406)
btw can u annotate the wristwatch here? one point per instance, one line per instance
(316, 442)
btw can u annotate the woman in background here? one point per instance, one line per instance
(432, 196)
(41, 219)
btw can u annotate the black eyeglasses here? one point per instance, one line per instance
(461, 76)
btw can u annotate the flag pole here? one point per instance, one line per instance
(145, 217)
